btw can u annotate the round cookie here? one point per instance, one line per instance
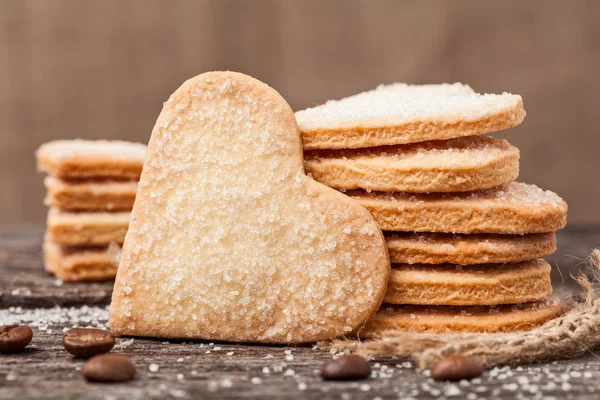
(473, 285)
(440, 248)
(400, 113)
(455, 165)
(514, 208)
(440, 319)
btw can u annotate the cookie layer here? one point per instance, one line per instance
(79, 264)
(86, 228)
(400, 113)
(472, 285)
(440, 248)
(230, 240)
(455, 165)
(440, 319)
(514, 208)
(82, 159)
(104, 195)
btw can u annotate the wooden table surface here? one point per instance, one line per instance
(222, 370)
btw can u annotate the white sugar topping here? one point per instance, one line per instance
(113, 149)
(516, 193)
(401, 103)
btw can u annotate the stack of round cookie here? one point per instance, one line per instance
(91, 189)
(465, 240)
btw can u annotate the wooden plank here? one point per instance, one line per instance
(227, 371)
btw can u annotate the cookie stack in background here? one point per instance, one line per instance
(465, 240)
(91, 189)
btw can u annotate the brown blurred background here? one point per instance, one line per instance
(101, 69)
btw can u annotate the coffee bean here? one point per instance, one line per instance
(456, 367)
(346, 368)
(108, 368)
(14, 338)
(88, 342)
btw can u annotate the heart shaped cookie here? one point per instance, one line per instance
(230, 240)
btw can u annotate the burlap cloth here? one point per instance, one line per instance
(576, 331)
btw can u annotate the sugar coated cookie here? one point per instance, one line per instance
(105, 195)
(79, 264)
(455, 165)
(472, 285)
(400, 113)
(514, 208)
(230, 240)
(86, 228)
(79, 159)
(440, 319)
(440, 248)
